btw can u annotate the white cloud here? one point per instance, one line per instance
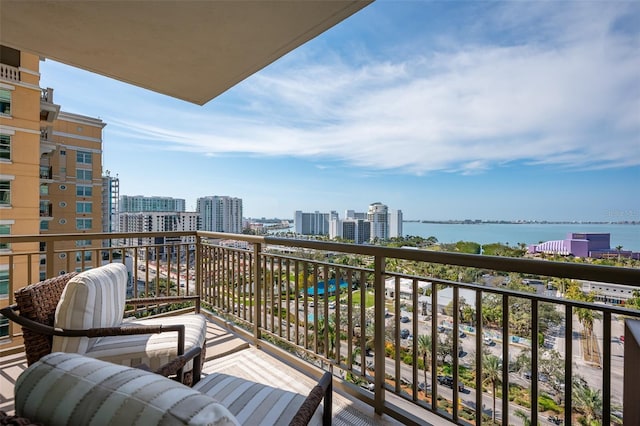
(570, 98)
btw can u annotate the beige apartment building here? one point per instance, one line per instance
(50, 174)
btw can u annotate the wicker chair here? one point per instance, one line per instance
(35, 311)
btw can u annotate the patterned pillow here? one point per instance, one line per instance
(94, 298)
(70, 389)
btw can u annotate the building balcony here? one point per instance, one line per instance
(301, 306)
(46, 173)
(9, 73)
(48, 110)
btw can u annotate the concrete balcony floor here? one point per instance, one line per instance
(231, 354)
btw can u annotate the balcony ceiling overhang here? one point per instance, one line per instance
(192, 50)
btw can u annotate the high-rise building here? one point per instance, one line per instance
(51, 177)
(141, 203)
(110, 202)
(25, 116)
(71, 187)
(158, 222)
(395, 224)
(378, 215)
(352, 214)
(313, 223)
(220, 214)
(356, 230)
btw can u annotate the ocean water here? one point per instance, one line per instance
(627, 236)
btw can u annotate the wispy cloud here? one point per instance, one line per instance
(562, 93)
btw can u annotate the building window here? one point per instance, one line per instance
(83, 157)
(4, 284)
(5, 148)
(5, 230)
(82, 223)
(83, 190)
(63, 152)
(44, 189)
(5, 193)
(4, 326)
(81, 254)
(5, 102)
(83, 243)
(62, 221)
(63, 187)
(82, 174)
(44, 225)
(84, 206)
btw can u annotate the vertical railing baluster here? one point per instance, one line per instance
(378, 288)
(505, 360)
(456, 350)
(606, 368)
(257, 279)
(568, 363)
(535, 311)
(479, 343)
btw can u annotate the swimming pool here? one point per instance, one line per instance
(331, 288)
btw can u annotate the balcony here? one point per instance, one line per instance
(340, 307)
(46, 146)
(46, 173)
(9, 73)
(48, 110)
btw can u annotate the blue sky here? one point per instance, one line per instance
(445, 110)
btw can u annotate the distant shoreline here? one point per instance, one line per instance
(520, 222)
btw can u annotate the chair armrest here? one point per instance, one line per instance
(9, 312)
(160, 299)
(323, 390)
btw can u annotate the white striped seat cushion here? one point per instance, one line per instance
(154, 350)
(70, 389)
(92, 299)
(96, 298)
(254, 403)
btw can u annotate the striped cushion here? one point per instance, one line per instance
(70, 389)
(154, 350)
(92, 299)
(254, 403)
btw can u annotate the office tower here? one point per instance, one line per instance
(220, 214)
(141, 203)
(395, 224)
(379, 217)
(110, 202)
(313, 223)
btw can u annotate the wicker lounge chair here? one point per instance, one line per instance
(71, 313)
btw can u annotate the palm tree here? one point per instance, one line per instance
(424, 350)
(526, 421)
(588, 402)
(492, 373)
(618, 249)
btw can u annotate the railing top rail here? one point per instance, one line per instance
(598, 273)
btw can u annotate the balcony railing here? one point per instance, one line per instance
(8, 72)
(514, 354)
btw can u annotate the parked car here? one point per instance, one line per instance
(488, 341)
(448, 382)
(404, 319)
(332, 305)
(462, 334)
(404, 333)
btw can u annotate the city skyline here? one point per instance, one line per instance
(444, 110)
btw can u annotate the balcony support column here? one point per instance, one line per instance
(631, 375)
(198, 260)
(379, 321)
(50, 253)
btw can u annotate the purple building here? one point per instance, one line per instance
(581, 244)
